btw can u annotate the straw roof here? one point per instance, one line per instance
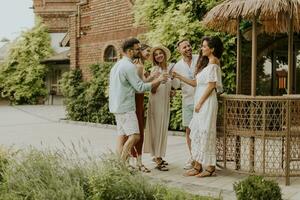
(271, 14)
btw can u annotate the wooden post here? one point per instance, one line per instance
(264, 136)
(287, 145)
(253, 92)
(238, 90)
(225, 133)
(290, 91)
(254, 57)
(238, 58)
(290, 52)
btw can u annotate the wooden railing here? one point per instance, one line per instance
(260, 135)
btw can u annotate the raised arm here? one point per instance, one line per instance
(138, 84)
(191, 82)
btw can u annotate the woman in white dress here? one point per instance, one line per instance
(208, 82)
(158, 113)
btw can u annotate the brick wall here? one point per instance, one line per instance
(93, 25)
(55, 13)
(101, 23)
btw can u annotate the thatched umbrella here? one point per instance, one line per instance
(223, 17)
(274, 16)
(271, 14)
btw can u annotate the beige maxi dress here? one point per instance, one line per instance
(158, 116)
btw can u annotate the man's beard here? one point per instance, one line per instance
(136, 56)
(188, 54)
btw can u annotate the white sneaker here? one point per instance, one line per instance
(188, 164)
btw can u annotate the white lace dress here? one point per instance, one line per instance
(203, 123)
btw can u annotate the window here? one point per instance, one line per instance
(110, 54)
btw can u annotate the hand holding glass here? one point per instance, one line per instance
(164, 77)
(175, 75)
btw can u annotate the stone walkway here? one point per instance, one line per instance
(42, 127)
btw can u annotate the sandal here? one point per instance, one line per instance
(143, 168)
(164, 162)
(160, 161)
(162, 168)
(206, 173)
(192, 172)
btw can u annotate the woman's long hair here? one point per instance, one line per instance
(155, 63)
(213, 42)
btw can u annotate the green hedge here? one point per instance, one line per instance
(88, 100)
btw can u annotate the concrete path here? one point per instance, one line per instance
(41, 127)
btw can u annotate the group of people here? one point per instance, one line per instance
(198, 76)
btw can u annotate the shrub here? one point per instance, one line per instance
(88, 100)
(4, 160)
(42, 175)
(37, 175)
(176, 112)
(22, 75)
(256, 187)
(115, 181)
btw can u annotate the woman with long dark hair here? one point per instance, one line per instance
(208, 82)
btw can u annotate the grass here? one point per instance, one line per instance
(33, 174)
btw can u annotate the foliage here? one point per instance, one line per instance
(22, 75)
(42, 175)
(4, 160)
(88, 100)
(256, 187)
(176, 112)
(170, 21)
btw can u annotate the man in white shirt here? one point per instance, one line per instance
(124, 82)
(186, 67)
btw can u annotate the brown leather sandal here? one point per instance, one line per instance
(162, 168)
(192, 172)
(143, 168)
(160, 160)
(206, 173)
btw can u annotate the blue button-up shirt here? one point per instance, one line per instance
(124, 82)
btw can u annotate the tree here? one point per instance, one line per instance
(22, 75)
(171, 20)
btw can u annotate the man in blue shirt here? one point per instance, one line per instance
(124, 82)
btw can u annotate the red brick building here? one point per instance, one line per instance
(94, 29)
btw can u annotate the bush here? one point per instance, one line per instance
(256, 187)
(88, 100)
(36, 175)
(176, 112)
(4, 160)
(42, 175)
(22, 74)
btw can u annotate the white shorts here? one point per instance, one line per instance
(127, 123)
(187, 115)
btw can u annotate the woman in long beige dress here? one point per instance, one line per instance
(158, 114)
